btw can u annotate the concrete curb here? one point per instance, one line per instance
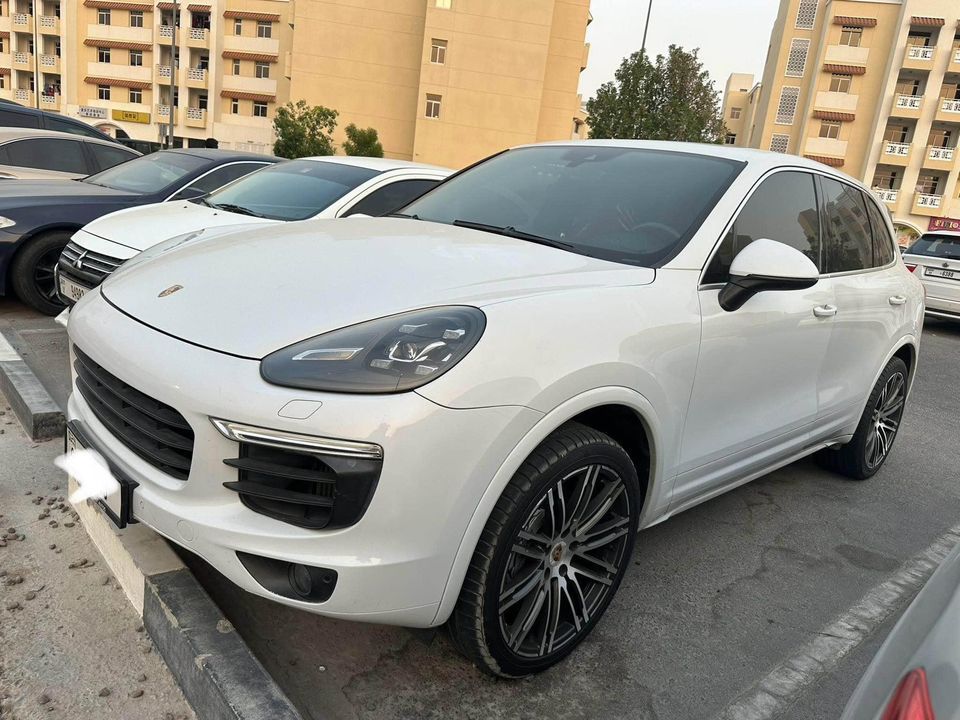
(38, 413)
(219, 676)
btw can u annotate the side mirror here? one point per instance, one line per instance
(766, 265)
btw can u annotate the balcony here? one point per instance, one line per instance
(919, 57)
(49, 102)
(163, 72)
(22, 95)
(836, 101)
(49, 25)
(50, 63)
(846, 55)
(166, 34)
(896, 153)
(163, 114)
(264, 86)
(23, 60)
(949, 110)
(198, 37)
(939, 158)
(831, 147)
(888, 197)
(907, 106)
(924, 204)
(196, 117)
(22, 22)
(196, 77)
(120, 32)
(120, 72)
(269, 46)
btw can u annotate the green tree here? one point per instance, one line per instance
(304, 130)
(364, 143)
(671, 99)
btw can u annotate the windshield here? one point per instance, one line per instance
(292, 190)
(940, 246)
(148, 174)
(628, 205)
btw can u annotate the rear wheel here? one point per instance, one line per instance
(865, 454)
(551, 556)
(31, 272)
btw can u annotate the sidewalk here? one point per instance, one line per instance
(71, 645)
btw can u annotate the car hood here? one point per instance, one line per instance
(250, 292)
(22, 193)
(143, 227)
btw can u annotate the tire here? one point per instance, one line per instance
(865, 454)
(553, 579)
(31, 273)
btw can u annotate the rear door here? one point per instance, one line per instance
(935, 259)
(53, 154)
(389, 197)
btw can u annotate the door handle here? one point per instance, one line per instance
(898, 300)
(825, 311)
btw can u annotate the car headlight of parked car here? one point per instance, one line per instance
(6, 222)
(391, 354)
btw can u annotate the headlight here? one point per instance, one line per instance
(392, 354)
(6, 222)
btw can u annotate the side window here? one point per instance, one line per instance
(61, 155)
(106, 156)
(19, 119)
(849, 242)
(217, 179)
(783, 208)
(883, 252)
(390, 198)
(76, 128)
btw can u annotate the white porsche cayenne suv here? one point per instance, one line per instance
(464, 413)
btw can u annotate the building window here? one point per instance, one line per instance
(30, 45)
(236, 67)
(103, 16)
(807, 14)
(928, 185)
(262, 69)
(896, 133)
(56, 48)
(1, 45)
(136, 58)
(438, 51)
(444, 4)
(202, 101)
(918, 39)
(259, 108)
(433, 106)
(779, 143)
(136, 18)
(103, 92)
(787, 107)
(136, 95)
(730, 139)
(851, 36)
(735, 113)
(797, 59)
(840, 83)
(908, 87)
(235, 106)
(264, 29)
(830, 129)
(886, 180)
(103, 55)
(941, 137)
(238, 26)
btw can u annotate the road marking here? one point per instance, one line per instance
(783, 685)
(7, 353)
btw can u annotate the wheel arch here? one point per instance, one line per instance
(24, 241)
(616, 411)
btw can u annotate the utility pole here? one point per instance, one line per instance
(37, 47)
(173, 72)
(646, 26)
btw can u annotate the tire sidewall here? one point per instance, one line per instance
(866, 420)
(24, 264)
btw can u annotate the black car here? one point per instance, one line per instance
(15, 115)
(37, 217)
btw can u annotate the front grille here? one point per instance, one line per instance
(93, 267)
(155, 432)
(305, 489)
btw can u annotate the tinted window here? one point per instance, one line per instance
(149, 174)
(293, 190)
(219, 177)
(107, 156)
(629, 205)
(939, 246)
(77, 127)
(47, 154)
(883, 252)
(12, 118)
(849, 242)
(391, 198)
(783, 208)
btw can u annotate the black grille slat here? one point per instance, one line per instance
(150, 429)
(95, 267)
(257, 490)
(281, 471)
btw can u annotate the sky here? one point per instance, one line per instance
(732, 37)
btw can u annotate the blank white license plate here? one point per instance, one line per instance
(71, 290)
(112, 503)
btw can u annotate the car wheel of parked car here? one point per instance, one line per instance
(551, 556)
(31, 273)
(866, 452)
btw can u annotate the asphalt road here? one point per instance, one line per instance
(716, 598)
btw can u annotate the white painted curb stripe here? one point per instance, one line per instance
(781, 687)
(7, 353)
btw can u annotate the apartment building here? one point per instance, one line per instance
(871, 87)
(739, 109)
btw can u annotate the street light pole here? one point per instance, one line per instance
(173, 72)
(646, 26)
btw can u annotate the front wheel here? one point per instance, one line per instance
(864, 455)
(551, 556)
(31, 273)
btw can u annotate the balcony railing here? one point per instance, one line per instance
(909, 102)
(49, 60)
(925, 200)
(887, 196)
(48, 21)
(920, 52)
(49, 99)
(941, 154)
(898, 149)
(163, 111)
(198, 33)
(956, 55)
(21, 94)
(195, 113)
(20, 19)
(21, 58)
(163, 71)
(196, 74)
(166, 31)
(951, 106)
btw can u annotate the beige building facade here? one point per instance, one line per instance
(443, 81)
(871, 87)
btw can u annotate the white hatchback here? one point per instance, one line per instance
(464, 414)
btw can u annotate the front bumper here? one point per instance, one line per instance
(394, 563)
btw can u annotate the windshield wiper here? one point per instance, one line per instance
(240, 209)
(512, 232)
(402, 215)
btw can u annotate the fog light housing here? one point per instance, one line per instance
(306, 583)
(300, 580)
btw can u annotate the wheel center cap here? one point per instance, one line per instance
(556, 555)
